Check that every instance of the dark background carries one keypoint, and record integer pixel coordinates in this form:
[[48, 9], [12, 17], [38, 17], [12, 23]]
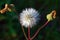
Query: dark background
[[10, 27]]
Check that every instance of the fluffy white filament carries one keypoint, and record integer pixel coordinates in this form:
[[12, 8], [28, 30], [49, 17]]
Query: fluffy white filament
[[29, 17]]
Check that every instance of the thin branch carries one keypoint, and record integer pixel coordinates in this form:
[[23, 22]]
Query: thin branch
[[24, 33], [28, 33], [39, 30], [22, 26]]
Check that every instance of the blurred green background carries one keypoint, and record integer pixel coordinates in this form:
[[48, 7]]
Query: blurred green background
[[10, 27]]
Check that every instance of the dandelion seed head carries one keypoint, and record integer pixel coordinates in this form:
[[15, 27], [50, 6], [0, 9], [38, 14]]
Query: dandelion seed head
[[29, 17]]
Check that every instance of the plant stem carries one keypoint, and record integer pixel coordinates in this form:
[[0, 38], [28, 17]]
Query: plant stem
[[24, 33], [22, 26], [28, 33], [39, 30]]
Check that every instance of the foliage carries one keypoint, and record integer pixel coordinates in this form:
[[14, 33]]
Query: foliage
[[10, 27]]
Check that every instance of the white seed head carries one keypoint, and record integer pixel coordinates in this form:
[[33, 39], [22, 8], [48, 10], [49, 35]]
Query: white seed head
[[29, 17]]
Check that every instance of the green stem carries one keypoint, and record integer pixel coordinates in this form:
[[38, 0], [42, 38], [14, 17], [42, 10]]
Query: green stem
[[24, 33]]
